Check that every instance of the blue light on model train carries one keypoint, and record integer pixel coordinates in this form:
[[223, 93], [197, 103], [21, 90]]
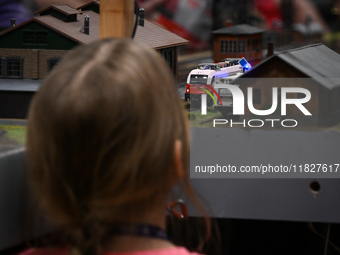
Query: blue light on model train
[[243, 62]]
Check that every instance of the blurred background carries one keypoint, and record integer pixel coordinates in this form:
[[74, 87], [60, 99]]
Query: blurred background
[[286, 23], [196, 19]]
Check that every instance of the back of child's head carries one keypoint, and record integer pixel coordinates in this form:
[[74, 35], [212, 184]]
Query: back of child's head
[[101, 135]]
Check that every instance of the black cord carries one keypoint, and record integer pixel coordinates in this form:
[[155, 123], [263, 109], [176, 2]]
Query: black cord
[[327, 239], [311, 227], [136, 20]]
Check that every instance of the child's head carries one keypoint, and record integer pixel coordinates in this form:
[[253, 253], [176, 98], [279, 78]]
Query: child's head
[[102, 132]]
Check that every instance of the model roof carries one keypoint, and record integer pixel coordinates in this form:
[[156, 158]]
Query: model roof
[[316, 61], [158, 37], [63, 8], [313, 28], [96, 2], [151, 34], [72, 29], [242, 29]]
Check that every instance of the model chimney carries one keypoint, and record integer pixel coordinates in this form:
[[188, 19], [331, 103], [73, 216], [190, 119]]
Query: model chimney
[[13, 22], [141, 17], [87, 24], [270, 49], [229, 23]]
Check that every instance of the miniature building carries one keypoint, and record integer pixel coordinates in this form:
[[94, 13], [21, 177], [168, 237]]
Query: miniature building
[[238, 41], [28, 51], [316, 62], [307, 33], [31, 49], [287, 33]]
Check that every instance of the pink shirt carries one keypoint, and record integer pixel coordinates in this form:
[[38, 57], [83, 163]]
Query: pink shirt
[[165, 251]]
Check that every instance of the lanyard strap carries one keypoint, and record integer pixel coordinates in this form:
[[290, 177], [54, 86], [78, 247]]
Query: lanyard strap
[[142, 230]]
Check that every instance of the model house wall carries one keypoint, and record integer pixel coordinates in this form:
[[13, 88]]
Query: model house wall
[[313, 67], [237, 42]]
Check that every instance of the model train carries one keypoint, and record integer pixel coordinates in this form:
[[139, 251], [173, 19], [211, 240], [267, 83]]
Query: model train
[[205, 75]]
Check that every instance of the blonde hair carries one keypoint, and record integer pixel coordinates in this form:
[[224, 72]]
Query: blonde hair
[[101, 136]]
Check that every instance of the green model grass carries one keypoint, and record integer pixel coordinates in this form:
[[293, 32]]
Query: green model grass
[[199, 120], [15, 133]]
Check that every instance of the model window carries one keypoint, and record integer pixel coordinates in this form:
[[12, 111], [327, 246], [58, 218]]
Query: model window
[[51, 63], [41, 37], [35, 37], [255, 44], [198, 79], [208, 67], [232, 46], [224, 46], [29, 37], [14, 67], [256, 96], [241, 46], [70, 18]]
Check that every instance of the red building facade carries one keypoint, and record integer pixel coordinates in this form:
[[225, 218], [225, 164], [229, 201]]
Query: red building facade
[[237, 42]]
